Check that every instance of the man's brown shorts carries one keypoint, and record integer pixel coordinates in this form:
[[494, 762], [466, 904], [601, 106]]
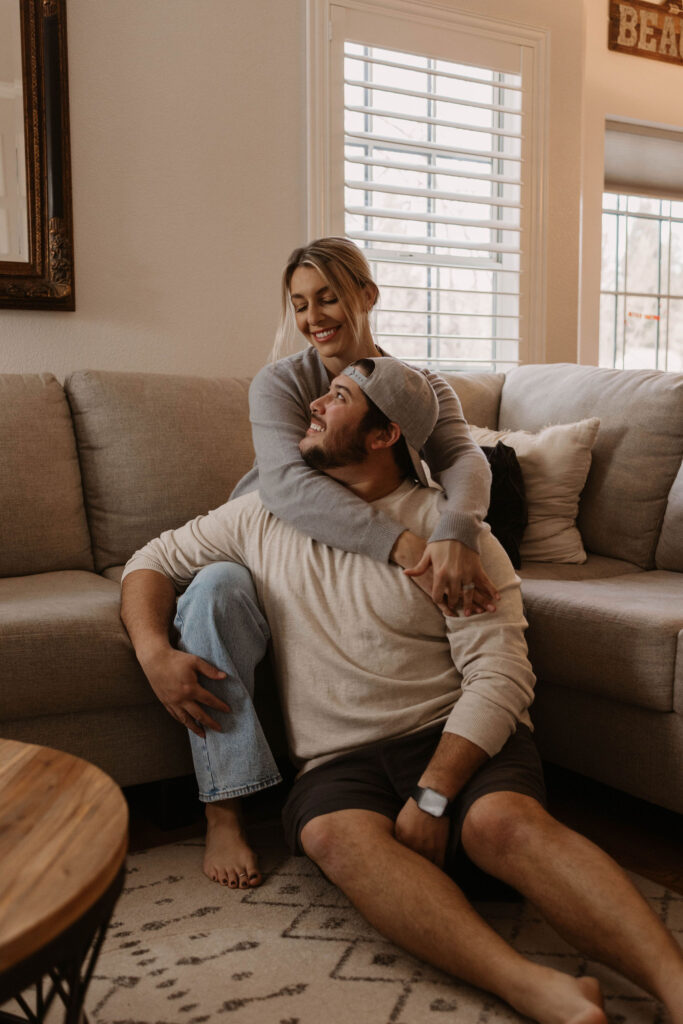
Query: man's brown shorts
[[382, 776]]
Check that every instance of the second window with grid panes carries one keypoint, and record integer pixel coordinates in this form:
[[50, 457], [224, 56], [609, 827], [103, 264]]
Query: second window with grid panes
[[641, 300]]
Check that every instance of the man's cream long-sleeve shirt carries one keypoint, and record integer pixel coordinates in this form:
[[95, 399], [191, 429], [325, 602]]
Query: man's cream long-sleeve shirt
[[361, 653]]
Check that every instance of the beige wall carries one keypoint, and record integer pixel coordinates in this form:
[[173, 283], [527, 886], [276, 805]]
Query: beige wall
[[616, 85], [188, 148], [188, 151]]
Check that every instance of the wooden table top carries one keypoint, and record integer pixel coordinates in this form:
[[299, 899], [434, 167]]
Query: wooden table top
[[63, 839]]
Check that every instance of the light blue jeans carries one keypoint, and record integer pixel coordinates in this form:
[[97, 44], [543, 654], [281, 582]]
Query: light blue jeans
[[219, 619]]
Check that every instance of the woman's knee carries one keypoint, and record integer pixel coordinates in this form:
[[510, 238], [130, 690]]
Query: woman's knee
[[225, 593], [222, 581]]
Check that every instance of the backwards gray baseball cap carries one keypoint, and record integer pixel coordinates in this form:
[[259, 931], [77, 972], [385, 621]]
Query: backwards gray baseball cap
[[406, 397]]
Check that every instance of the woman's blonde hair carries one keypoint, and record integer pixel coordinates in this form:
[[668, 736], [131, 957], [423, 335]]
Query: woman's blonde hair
[[344, 268]]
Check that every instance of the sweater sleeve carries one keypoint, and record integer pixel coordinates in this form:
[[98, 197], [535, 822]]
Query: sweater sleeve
[[215, 537], [460, 467], [490, 653], [309, 500]]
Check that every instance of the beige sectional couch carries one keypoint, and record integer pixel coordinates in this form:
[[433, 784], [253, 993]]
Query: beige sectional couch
[[92, 469]]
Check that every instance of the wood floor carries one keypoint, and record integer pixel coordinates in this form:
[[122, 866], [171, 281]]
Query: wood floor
[[640, 836]]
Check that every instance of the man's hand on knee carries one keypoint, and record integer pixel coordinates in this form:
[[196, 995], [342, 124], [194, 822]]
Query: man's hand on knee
[[173, 675], [421, 832]]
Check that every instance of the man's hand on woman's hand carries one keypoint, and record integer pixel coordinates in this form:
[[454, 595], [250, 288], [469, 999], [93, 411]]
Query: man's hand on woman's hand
[[173, 675]]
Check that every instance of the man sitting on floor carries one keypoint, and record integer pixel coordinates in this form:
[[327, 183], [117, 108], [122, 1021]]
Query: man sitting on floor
[[411, 729]]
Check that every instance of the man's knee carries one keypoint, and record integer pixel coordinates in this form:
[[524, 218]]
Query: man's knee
[[336, 841], [499, 825]]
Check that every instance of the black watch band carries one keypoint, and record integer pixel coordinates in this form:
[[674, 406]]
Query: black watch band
[[431, 801]]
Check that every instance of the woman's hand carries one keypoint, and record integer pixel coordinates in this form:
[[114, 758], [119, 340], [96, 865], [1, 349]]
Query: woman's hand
[[457, 574]]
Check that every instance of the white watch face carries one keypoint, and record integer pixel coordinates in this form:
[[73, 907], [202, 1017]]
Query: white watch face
[[432, 802]]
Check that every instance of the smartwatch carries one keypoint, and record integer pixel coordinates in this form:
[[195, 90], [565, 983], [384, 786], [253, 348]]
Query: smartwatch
[[431, 801]]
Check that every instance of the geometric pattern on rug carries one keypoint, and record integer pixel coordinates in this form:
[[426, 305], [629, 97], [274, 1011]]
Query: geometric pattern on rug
[[183, 950]]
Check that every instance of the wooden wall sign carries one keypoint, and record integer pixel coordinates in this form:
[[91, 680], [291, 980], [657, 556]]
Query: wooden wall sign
[[653, 30]]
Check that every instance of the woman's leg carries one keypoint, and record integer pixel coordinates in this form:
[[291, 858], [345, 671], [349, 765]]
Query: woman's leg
[[219, 619]]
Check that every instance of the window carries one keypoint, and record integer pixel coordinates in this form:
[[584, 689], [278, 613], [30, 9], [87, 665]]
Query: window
[[432, 184], [641, 299], [431, 163], [641, 289]]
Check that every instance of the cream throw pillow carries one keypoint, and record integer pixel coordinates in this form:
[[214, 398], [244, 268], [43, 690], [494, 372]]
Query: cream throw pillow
[[554, 464]]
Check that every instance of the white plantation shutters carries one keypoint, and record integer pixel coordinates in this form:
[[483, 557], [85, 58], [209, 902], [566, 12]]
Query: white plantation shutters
[[429, 174]]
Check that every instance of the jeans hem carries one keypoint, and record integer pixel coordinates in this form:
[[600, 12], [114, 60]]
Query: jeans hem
[[231, 794]]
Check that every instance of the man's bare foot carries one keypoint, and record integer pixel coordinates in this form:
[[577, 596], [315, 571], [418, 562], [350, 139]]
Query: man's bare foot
[[561, 999], [228, 859]]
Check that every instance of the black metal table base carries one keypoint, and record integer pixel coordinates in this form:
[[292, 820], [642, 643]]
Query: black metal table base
[[63, 968]]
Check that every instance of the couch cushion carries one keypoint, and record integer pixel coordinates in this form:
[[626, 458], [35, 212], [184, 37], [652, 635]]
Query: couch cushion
[[635, 457], [65, 648], [554, 464], [615, 637], [669, 553], [479, 395], [596, 567], [156, 450], [42, 519]]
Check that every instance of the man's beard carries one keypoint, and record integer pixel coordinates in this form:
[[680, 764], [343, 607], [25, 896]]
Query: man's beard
[[346, 451]]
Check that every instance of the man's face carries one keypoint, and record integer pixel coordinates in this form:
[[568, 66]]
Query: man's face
[[336, 436]]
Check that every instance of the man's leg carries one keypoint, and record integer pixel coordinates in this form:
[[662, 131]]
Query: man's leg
[[219, 619], [582, 892], [413, 903]]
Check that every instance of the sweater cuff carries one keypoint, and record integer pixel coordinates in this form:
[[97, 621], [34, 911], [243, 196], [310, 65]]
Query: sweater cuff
[[481, 722], [139, 561], [380, 539], [462, 526]]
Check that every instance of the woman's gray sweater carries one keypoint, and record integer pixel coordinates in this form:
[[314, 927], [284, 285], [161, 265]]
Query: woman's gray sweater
[[279, 403]]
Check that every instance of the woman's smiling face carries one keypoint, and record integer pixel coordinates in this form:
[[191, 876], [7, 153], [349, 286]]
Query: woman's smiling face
[[319, 315]]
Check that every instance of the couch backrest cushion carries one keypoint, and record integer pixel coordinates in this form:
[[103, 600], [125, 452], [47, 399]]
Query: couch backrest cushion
[[42, 519], [479, 395], [636, 454], [669, 553], [155, 451]]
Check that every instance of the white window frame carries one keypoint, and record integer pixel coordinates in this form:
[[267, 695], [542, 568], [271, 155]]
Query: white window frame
[[320, 120]]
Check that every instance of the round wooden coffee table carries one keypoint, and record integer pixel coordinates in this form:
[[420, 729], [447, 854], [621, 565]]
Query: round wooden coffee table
[[63, 843]]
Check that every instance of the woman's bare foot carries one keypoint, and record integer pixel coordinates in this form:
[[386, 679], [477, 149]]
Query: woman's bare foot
[[228, 858]]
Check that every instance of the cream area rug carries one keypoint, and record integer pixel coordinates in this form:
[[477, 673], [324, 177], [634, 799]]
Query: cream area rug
[[182, 950]]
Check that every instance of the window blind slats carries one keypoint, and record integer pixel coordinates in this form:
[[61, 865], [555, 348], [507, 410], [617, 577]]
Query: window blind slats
[[430, 218], [445, 337], [434, 147], [367, 161], [436, 121], [438, 310], [432, 97], [456, 197], [494, 83], [437, 242], [407, 257]]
